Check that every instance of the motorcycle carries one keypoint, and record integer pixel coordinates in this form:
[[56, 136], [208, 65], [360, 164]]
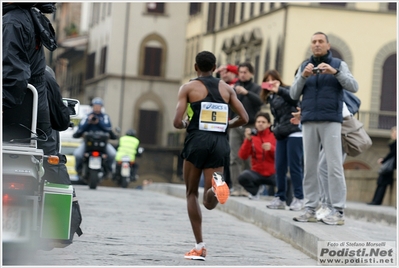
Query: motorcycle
[[94, 161], [32, 211], [126, 169]]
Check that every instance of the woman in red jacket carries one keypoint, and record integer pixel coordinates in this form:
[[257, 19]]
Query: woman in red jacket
[[260, 145]]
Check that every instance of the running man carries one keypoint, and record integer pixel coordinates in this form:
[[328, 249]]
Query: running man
[[206, 147]]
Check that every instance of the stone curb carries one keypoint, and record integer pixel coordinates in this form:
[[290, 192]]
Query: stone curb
[[279, 223]]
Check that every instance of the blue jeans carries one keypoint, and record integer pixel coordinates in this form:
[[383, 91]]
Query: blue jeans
[[289, 154]]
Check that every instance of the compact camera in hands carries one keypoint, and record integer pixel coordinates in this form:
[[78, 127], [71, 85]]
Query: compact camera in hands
[[254, 131], [316, 70], [94, 118]]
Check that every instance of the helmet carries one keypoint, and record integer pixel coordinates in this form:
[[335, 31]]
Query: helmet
[[97, 100], [131, 132]]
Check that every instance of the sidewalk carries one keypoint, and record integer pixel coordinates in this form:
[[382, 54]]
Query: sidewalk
[[362, 222]]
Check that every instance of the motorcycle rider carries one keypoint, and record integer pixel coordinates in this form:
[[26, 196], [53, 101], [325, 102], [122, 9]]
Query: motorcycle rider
[[25, 31], [94, 121], [128, 146]]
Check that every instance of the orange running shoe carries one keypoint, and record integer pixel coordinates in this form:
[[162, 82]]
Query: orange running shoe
[[220, 188], [195, 254]]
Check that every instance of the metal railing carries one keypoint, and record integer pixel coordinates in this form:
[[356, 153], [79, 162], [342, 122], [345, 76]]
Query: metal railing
[[377, 121]]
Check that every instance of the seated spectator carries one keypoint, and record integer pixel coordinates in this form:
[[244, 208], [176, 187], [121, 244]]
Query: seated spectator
[[259, 144]]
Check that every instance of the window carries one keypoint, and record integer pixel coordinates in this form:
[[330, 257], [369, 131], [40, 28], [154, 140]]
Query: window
[[232, 13], [271, 6], [211, 17], [261, 7], [256, 67], [152, 56], [195, 8], [267, 57], [342, 4], [153, 61], [251, 10], [148, 127], [103, 60], [242, 13], [158, 8], [104, 10], [109, 8], [388, 93], [95, 13], [90, 65], [392, 6], [221, 23]]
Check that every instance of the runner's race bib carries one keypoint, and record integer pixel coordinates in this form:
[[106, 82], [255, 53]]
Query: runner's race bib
[[213, 116]]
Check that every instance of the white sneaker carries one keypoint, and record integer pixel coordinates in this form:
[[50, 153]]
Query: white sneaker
[[323, 211], [253, 197], [296, 204], [276, 204]]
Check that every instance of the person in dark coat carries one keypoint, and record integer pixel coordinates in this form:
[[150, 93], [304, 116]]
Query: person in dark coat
[[385, 179], [289, 147], [59, 118], [26, 30]]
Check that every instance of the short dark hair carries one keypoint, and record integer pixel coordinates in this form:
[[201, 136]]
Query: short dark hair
[[264, 114], [205, 61], [322, 34], [248, 65]]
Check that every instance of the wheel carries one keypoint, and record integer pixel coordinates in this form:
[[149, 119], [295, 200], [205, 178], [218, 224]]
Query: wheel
[[93, 179], [124, 182]]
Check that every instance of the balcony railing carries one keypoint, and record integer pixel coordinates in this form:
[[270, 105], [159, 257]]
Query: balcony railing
[[378, 122]]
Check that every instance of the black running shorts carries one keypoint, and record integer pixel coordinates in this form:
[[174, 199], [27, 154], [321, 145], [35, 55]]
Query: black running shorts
[[206, 149]]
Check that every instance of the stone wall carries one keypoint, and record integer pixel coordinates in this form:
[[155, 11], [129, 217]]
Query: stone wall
[[165, 165], [361, 185]]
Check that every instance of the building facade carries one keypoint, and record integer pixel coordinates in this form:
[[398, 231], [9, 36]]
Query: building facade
[[277, 36], [131, 55]]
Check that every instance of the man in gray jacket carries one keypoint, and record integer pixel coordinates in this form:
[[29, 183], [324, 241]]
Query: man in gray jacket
[[321, 81]]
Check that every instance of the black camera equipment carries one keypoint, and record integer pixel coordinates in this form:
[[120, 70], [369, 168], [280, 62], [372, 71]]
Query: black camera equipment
[[317, 70]]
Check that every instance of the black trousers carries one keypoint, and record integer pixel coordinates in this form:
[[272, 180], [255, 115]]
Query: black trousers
[[251, 181], [382, 183]]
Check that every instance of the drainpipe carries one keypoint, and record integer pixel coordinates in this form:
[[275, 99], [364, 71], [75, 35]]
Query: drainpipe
[[121, 101]]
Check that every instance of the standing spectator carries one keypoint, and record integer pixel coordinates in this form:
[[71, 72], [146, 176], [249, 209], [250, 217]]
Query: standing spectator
[[326, 206], [385, 179], [228, 73], [206, 146], [259, 144], [320, 81], [248, 93], [289, 148]]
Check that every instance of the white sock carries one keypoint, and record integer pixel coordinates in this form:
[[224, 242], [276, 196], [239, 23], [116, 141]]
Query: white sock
[[199, 246]]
